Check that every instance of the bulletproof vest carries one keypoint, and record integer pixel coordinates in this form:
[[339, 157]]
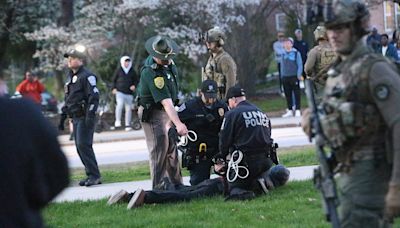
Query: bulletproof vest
[[350, 120], [212, 71], [325, 58]]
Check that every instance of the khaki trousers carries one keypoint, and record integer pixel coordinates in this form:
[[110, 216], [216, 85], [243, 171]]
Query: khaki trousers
[[162, 151]]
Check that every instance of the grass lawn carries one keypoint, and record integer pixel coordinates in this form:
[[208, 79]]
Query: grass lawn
[[275, 103], [293, 156], [294, 205]]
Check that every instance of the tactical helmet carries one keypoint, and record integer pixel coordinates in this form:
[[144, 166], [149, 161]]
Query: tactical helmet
[[215, 35], [345, 12], [320, 33]]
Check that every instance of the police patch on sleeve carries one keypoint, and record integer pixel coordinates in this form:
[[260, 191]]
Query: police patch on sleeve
[[159, 82], [92, 80], [381, 92]]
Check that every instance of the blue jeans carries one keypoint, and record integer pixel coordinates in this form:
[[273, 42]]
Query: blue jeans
[[84, 145]]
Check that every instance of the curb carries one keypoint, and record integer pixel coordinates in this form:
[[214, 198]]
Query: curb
[[65, 142]]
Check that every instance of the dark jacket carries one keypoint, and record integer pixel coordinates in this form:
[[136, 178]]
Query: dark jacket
[[206, 122], [302, 47], [81, 93], [245, 128], [122, 82], [391, 52], [33, 168]]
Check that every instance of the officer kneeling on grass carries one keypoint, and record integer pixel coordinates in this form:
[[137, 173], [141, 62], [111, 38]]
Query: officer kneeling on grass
[[245, 136], [203, 115]]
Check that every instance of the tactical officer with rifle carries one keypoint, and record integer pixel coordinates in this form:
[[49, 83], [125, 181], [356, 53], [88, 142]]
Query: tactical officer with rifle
[[158, 93], [359, 119], [81, 102], [203, 115], [220, 66]]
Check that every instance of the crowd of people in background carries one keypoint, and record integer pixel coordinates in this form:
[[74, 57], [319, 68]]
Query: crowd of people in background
[[291, 56]]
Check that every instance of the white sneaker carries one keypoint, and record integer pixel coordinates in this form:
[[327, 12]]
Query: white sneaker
[[128, 129], [117, 123], [289, 113], [297, 113]]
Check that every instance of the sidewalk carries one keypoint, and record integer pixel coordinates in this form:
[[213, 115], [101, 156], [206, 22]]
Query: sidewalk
[[121, 135], [105, 190]]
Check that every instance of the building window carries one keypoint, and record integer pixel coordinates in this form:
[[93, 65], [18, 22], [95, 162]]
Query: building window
[[397, 15], [280, 20], [389, 18]]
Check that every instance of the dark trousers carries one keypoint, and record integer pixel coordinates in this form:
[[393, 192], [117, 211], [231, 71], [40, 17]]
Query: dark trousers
[[280, 78], [200, 171], [291, 86], [206, 188], [84, 145], [257, 165]]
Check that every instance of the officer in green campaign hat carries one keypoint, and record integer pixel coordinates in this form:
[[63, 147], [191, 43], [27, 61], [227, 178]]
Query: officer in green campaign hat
[[158, 93]]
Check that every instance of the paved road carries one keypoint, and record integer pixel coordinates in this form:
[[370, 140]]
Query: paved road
[[115, 151]]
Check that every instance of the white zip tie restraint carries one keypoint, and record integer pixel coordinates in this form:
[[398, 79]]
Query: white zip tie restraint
[[185, 139], [235, 167]]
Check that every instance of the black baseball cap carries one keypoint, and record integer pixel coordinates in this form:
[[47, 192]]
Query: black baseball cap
[[75, 54], [235, 91], [209, 88]]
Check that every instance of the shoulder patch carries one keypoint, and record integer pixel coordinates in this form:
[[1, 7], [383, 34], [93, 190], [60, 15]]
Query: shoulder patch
[[182, 107], [159, 82], [92, 80], [381, 92]]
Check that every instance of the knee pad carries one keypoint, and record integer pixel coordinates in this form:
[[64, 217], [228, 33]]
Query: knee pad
[[279, 175]]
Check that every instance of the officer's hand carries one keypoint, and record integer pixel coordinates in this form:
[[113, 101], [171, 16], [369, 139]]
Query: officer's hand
[[181, 129], [63, 117], [306, 121], [90, 120], [114, 91], [392, 202]]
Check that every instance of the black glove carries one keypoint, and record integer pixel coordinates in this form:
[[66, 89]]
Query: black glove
[[63, 117], [90, 120]]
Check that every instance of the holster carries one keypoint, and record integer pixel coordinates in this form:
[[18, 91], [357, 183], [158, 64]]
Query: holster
[[77, 110], [273, 153], [147, 111]]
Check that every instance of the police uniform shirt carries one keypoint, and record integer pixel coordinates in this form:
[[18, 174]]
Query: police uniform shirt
[[206, 122], [81, 86], [245, 128], [157, 83]]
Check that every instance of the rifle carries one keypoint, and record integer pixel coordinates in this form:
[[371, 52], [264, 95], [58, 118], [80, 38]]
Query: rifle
[[323, 175]]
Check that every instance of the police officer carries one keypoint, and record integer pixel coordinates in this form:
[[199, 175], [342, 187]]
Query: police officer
[[203, 115], [220, 66], [319, 58], [361, 121], [81, 101], [158, 90], [246, 136]]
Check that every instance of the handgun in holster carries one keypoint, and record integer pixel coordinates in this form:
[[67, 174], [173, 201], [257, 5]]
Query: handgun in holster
[[274, 154], [147, 110]]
